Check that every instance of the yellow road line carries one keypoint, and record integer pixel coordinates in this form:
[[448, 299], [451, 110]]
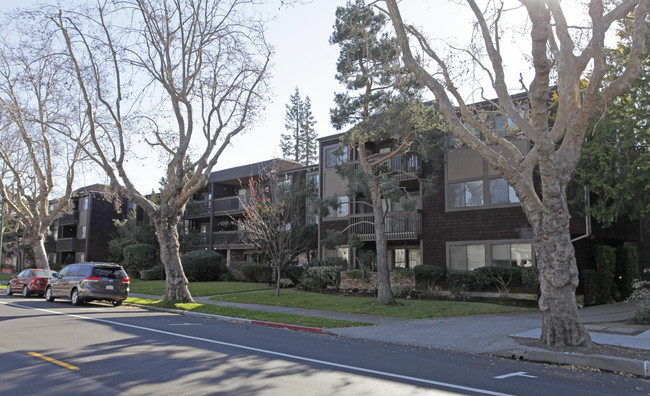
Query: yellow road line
[[49, 359]]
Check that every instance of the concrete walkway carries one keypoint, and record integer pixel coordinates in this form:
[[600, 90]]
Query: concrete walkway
[[488, 334]]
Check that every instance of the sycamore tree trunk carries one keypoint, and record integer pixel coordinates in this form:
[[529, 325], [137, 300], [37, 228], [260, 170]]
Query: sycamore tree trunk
[[558, 276], [36, 242], [176, 284]]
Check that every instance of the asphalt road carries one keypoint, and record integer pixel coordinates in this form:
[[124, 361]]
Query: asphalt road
[[56, 348]]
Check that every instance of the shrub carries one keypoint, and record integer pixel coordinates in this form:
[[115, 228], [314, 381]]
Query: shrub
[[500, 277], [401, 273], [260, 273], [284, 282], [626, 269], [354, 274], [323, 276], [641, 294], [203, 266], [399, 291], [294, 272], [530, 279], [590, 286], [429, 275], [153, 273], [460, 283], [606, 264], [139, 257]]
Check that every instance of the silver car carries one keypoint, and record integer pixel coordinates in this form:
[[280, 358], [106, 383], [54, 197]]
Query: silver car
[[89, 281]]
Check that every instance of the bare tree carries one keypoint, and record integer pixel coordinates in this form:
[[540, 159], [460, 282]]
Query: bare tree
[[275, 217], [37, 159], [184, 77], [560, 64]]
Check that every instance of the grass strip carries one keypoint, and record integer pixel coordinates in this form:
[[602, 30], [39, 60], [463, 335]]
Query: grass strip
[[413, 309], [248, 313], [197, 289]]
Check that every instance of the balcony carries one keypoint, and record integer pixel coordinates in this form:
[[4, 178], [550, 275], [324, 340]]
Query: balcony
[[69, 218], [227, 205], [229, 240], [66, 245], [401, 167], [196, 209], [398, 226]]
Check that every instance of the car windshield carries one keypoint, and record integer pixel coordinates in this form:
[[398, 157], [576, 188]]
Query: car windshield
[[105, 272], [43, 273]]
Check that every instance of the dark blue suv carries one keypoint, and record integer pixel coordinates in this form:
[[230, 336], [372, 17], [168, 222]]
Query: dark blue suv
[[89, 281]]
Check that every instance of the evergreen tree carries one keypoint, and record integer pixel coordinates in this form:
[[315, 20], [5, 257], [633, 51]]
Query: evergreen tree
[[300, 143], [309, 154], [382, 104], [615, 161]]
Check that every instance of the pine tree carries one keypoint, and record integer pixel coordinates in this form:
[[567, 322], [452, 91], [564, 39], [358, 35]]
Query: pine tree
[[308, 142], [382, 104], [290, 143], [300, 143]]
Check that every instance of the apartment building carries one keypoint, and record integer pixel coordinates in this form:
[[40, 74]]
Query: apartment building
[[211, 216], [83, 234], [472, 217]]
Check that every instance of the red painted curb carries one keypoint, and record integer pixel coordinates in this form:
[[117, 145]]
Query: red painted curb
[[288, 326]]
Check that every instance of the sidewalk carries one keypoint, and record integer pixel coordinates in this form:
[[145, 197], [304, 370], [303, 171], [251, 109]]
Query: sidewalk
[[486, 334]]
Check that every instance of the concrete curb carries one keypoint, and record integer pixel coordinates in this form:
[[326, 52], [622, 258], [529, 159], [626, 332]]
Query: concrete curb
[[231, 319], [640, 368]]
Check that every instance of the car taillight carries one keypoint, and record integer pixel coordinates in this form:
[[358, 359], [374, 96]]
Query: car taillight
[[92, 279], [125, 280]]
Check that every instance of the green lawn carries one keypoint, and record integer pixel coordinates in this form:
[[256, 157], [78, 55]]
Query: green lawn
[[248, 314], [415, 309], [6, 277], [197, 289]]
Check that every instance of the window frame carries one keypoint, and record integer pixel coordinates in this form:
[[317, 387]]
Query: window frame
[[487, 244]]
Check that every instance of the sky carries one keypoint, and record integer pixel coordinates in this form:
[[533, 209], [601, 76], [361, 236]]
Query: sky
[[303, 59]]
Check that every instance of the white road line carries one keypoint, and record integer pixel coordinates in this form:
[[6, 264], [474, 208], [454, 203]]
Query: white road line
[[280, 354]]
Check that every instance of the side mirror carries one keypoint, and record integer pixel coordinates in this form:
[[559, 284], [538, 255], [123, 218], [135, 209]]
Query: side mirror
[[55, 275]]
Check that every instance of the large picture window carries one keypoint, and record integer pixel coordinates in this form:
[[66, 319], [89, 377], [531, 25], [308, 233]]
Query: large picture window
[[470, 183], [467, 256]]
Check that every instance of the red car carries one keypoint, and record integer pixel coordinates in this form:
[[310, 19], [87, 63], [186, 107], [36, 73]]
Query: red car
[[30, 281]]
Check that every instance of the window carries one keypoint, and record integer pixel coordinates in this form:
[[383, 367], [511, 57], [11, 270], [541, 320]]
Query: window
[[405, 258], [512, 255], [467, 256], [471, 183], [82, 232], [501, 192], [466, 194], [340, 254], [83, 203], [343, 209], [284, 186], [335, 156], [400, 258]]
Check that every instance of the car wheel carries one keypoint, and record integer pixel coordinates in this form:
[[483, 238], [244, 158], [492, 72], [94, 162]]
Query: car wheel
[[8, 291], [49, 296], [116, 303], [74, 297], [25, 292]]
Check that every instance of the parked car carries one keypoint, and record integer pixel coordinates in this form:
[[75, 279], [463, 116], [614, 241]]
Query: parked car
[[30, 281], [89, 281]]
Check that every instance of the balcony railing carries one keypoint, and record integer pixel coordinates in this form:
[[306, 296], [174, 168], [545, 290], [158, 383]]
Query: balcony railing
[[402, 167], [66, 244], [69, 218], [197, 209], [228, 204], [398, 226], [225, 239]]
